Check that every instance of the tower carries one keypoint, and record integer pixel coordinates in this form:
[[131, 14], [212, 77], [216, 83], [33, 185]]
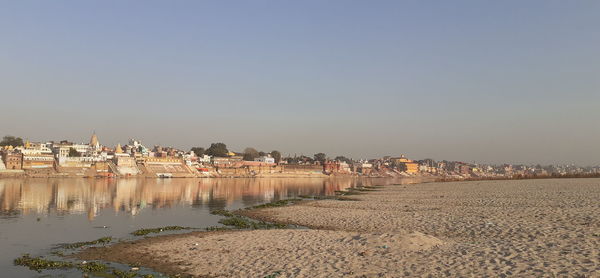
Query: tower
[[94, 146], [94, 142], [118, 149]]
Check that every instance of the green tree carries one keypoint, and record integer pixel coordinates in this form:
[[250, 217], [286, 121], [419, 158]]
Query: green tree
[[74, 153], [321, 157], [250, 154], [342, 158], [276, 155], [198, 151], [9, 140], [217, 149]]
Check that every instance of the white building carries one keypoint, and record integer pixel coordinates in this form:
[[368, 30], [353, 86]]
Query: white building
[[137, 145], [265, 159], [204, 159], [31, 148]]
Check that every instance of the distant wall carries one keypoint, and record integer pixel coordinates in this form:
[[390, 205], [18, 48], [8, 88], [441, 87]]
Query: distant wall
[[292, 168], [38, 162], [74, 162]]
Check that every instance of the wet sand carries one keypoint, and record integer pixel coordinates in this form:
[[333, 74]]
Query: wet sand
[[524, 228]]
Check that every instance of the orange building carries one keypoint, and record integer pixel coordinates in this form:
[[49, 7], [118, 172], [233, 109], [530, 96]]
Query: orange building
[[409, 165]]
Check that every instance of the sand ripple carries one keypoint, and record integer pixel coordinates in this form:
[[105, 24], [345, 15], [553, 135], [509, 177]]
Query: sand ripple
[[529, 228]]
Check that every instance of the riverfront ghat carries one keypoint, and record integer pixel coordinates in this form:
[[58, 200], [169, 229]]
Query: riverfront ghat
[[63, 159], [517, 228]]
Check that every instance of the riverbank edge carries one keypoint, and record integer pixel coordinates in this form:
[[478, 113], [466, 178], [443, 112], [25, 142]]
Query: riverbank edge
[[437, 178], [125, 252]]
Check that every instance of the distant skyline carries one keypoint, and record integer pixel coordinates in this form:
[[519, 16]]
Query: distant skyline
[[483, 81]]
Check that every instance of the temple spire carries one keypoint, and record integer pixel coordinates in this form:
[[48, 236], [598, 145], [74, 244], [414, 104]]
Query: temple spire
[[118, 149], [94, 141]]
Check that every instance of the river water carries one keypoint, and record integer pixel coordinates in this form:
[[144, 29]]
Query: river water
[[38, 214]]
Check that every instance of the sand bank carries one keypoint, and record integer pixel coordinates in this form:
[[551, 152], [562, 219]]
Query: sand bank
[[540, 228]]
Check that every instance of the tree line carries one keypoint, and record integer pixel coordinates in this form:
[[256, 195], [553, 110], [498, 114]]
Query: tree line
[[13, 141], [220, 150]]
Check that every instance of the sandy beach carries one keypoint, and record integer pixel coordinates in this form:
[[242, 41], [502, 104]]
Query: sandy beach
[[524, 228]]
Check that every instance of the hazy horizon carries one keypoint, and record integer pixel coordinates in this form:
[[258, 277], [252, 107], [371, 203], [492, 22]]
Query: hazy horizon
[[486, 82]]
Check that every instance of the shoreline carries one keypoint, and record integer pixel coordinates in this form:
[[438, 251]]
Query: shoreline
[[434, 178], [396, 230]]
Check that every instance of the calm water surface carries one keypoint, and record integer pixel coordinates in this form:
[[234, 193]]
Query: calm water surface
[[38, 214]]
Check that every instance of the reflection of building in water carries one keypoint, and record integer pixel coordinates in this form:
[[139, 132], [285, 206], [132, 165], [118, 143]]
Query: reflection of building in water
[[90, 196]]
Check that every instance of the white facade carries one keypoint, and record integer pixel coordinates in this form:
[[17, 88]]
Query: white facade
[[137, 145], [265, 159], [83, 160], [35, 148], [61, 150], [204, 159]]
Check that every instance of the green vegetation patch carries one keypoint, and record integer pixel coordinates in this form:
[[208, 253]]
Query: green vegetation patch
[[239, 222], [217, 228], [92, 267], [102, 240], [143, 232], [124, 274], [344, 193], [38, 264], [325, 197], [279, 203], [98, 269], [222, 212]]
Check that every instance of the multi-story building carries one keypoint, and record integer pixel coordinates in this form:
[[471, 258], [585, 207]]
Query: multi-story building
[[225, 161], [409, 166], [265, 159], [38, 161], [32, 148], [13, 160]]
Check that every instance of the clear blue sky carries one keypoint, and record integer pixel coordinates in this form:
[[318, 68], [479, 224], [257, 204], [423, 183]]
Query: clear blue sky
[[485, 81]]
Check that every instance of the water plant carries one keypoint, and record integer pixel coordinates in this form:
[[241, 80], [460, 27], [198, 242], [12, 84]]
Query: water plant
[[102, 240], [349, 192], [124, 274], [38, 264], [222, 212], [217, 228], [58, 253], [279, 203], [325, 197], [92, 267], [99, 269], [143, 232], [239, 222]]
